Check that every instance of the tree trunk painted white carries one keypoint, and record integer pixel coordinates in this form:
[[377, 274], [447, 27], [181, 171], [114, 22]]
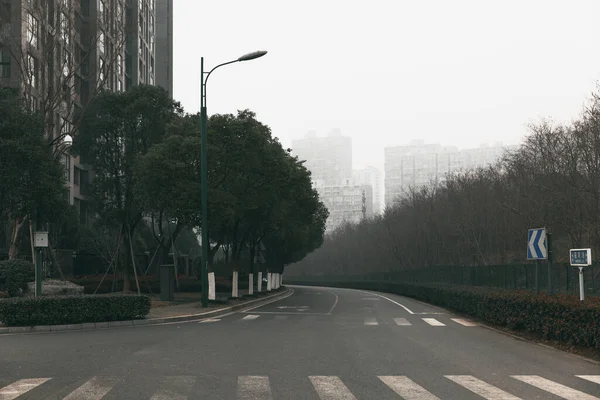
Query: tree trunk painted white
[[234, 285], [250, 283], [269, 281], [281, 280], [259, 288], [276, 281], [211, 286]]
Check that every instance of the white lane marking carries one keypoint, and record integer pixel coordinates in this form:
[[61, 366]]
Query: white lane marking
[[250, 317], [371, 321], [388, 299], [94, 389], [463, 322], [481, 388], [267, 303], [433, 322], [209, 320], [591, 378], [254, 388], [331, 388], [20, 387], [407, 389], [555, 388], [334, 303], [402, 321], [177, 388]]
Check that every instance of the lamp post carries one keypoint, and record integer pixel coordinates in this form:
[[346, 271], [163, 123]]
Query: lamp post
[[204, 166]]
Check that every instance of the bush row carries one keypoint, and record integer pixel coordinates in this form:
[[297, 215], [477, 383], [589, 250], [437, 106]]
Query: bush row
[[14, 275], [62, 310], [561, 318]]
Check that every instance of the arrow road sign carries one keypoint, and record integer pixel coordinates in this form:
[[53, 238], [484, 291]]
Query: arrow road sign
[[537, 247]]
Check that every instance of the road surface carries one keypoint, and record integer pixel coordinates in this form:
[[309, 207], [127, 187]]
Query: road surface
[[318, 343]]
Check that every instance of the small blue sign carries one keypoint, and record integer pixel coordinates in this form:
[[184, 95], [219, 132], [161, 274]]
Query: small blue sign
[[537, 248], [581, 257]]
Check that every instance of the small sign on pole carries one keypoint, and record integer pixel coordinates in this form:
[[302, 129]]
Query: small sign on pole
[[40, 239], [580, 258]]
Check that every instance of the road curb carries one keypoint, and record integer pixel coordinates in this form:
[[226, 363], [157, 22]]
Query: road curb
[[144, 322]]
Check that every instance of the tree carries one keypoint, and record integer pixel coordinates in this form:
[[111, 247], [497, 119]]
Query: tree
[[117, 130], [32, 180]]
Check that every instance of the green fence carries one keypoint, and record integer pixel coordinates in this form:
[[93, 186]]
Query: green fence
[[564, 278]]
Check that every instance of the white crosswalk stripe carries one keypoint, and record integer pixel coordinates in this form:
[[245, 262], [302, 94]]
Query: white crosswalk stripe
[[555, 388], [254, 388], [94, 389], [325, 387], [371, 321], [463, 322], [20, 387], [591, 378], [481, 388], [407, 389], [178, 388], [331, 388], [433, 322], [402, 322]]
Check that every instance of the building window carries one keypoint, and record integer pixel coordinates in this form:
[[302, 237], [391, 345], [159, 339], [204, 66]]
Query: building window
[[66, 161], [76, 176], [32, 70], [119, 65], [66, 61], [31, 102], [101, 71], [141, 50], [152, 44], [119, 15], [64, 28], [4, 64], [102, 11], [32, 30], [101, 42]]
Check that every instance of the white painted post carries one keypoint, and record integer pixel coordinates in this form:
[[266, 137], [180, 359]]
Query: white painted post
[[211, 286], [277, 280], [269, 281], [250, 283], [259, 288], [581, 290], [234, 285]]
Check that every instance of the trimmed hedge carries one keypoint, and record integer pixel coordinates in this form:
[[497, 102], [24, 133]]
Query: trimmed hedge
[[561, 318], [62, 310], [14, 275]]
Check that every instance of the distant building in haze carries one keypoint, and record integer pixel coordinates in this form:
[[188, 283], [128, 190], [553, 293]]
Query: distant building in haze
[[371, 176]]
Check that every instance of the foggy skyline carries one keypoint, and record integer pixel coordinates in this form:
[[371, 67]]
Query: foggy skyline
[[457, 73]]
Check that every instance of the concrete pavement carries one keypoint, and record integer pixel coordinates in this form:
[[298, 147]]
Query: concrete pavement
[[318, 343]]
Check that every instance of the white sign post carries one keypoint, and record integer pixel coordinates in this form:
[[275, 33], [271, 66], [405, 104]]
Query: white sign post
[[581, 258], [40, 241]]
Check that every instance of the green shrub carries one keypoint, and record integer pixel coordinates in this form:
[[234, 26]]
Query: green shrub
[[14, 275], [61, 310]]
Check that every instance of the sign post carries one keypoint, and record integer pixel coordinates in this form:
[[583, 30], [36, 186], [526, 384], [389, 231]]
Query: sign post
[[580, 258], [40, 242], [537, 249]]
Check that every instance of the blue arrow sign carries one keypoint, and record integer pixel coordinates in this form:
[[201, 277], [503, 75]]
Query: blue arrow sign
[[537, 248]]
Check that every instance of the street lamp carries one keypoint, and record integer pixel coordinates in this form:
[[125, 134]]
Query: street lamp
[[204, 166]]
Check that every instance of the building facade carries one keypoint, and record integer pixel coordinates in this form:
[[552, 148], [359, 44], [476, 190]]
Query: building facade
[[164, 44], [59, 52], [346, 202], [371, 176], [328, 158], [419, 164]]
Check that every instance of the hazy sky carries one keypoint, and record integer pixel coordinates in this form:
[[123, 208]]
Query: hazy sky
[[459, 72]]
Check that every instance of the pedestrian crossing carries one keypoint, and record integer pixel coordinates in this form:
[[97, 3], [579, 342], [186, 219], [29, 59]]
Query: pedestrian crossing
[[367, 321], [259, 387]]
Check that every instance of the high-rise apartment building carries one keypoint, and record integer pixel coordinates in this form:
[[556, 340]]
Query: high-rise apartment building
[[328, 158], [59, 52], [419, 164], [346, 202], [370, 176], [164, 44]]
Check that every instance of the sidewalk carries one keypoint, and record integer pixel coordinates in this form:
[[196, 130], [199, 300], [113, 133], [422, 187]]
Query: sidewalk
[[183, 308]]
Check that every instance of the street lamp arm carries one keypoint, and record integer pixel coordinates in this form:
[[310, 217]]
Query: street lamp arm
[[220, 65]]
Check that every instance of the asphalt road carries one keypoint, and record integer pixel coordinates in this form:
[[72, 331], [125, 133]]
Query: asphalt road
[[318, 343]]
